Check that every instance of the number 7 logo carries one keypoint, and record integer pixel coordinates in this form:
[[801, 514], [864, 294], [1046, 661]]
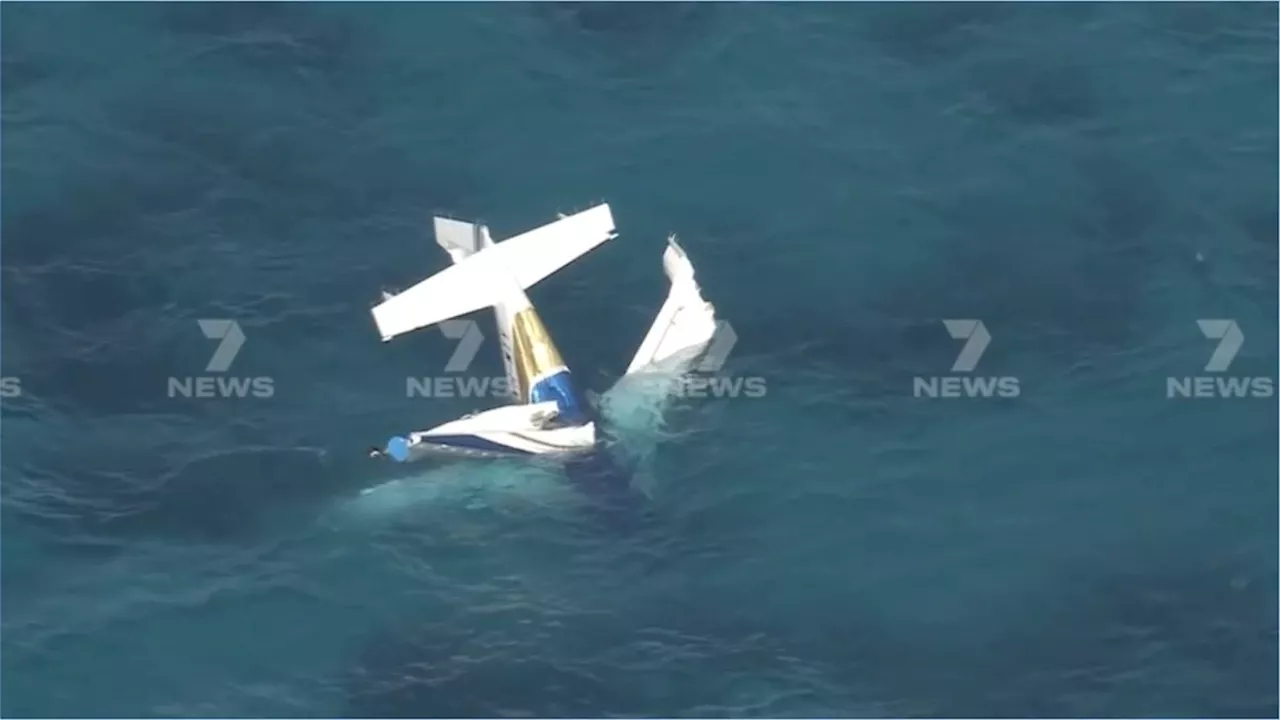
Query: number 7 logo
[[469, 338]]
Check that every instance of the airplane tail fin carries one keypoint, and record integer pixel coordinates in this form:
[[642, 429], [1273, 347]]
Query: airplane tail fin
[[481, 275]]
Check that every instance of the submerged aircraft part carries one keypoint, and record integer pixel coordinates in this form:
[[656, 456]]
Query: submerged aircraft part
[[547, 416]]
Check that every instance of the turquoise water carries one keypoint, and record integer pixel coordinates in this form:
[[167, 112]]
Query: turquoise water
[[1088, 180]]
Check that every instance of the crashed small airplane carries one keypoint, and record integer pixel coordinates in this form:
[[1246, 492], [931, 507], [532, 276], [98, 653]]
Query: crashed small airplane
[[548, 416]]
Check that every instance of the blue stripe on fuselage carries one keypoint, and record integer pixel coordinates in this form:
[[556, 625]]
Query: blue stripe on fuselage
[[472, 442], [398, 448]]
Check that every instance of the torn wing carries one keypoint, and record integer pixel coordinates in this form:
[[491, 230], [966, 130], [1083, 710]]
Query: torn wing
[[685, 324]]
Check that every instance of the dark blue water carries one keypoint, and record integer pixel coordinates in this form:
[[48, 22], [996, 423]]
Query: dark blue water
[[1087, 180]]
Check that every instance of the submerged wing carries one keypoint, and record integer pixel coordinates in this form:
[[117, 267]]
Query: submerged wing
[[685, 323]]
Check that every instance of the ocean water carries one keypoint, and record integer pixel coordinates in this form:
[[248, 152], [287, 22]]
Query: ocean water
[[1089, 180]]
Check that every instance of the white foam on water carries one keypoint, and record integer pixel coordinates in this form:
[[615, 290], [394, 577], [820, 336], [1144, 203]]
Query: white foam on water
[[635, 408], [505, 485]]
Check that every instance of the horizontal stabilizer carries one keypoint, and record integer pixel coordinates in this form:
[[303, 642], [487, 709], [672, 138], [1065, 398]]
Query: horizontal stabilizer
[[483, 278], [461, 239]]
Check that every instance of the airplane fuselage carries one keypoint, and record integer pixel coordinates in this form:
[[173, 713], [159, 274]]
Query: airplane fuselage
[[549, 416]]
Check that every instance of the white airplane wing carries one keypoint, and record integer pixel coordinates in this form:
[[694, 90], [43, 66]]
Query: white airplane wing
[[482, 278], [685, 324]]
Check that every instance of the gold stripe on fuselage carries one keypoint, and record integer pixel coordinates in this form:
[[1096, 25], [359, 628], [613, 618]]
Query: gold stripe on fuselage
[[532, 350]]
